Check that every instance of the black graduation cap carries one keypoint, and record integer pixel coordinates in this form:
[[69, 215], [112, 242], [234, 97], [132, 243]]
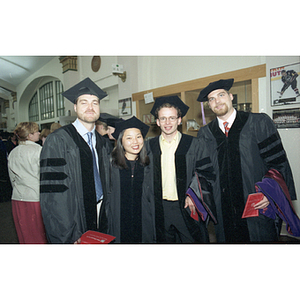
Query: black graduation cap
[[173, 100], [109, 119], [112, 122], [104, 116], [224, 84], [130, 123], [86, 86]]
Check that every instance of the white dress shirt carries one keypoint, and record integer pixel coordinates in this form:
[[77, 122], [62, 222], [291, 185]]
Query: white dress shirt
[[230, 121]]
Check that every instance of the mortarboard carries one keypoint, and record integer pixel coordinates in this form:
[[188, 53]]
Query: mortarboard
[[173, 100], [104, 116], [86, 86], [225, 84], [110, 120], [130, 123]]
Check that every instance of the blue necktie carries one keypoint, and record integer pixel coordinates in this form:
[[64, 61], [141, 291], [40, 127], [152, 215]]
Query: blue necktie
[[98, 185]]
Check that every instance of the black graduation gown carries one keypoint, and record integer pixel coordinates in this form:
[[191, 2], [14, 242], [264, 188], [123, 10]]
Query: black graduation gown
[[130, 205], [252, 148], [67, 189], [185, 164], [5, 184]]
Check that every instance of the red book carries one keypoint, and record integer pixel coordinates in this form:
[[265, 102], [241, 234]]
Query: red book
[[95, 237], [249, 210]]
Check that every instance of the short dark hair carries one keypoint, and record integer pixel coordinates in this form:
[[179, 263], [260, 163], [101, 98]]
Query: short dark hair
[[168, 105]]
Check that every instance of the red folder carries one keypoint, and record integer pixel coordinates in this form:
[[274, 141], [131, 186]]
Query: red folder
[[95, 237], [249, 210]]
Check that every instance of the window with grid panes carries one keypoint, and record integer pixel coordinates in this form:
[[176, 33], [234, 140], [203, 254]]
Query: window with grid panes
[[46, 101], [60, 105], [33, 109]]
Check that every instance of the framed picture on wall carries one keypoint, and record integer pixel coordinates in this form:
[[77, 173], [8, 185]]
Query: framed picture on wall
[[284, 85], [125, 107], [287, 118]]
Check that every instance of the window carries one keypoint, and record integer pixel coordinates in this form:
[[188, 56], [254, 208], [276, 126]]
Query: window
[[46, 101], [34, 109], [60, 105]]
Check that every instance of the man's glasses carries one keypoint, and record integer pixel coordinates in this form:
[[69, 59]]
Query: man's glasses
[[164, 119]]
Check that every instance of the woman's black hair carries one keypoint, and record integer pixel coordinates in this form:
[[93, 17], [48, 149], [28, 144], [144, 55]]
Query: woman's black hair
[[118, 155]]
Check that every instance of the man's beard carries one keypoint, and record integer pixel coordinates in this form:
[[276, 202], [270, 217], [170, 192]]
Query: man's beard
[[221, 112], [88, 118]]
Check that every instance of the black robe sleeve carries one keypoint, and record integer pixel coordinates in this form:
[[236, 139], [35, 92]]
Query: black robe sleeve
[[271, 149], [62, 195]]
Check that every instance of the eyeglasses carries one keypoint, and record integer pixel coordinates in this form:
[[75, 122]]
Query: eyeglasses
[[164, 119]]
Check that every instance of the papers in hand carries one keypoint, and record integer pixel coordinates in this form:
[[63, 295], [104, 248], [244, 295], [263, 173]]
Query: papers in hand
[[95, 237], [249, 210]]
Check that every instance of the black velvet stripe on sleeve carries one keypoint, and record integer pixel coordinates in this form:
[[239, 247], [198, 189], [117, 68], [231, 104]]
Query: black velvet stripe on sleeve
[[203, 161], [268, 141], [271, 150], [53, 162], [278, 149], [205, 167], [278, 160], [53, 176], [53, 188]]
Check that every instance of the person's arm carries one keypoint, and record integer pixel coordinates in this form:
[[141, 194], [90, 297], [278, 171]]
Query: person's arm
[[272, 151], [57, 193], [200, 186]]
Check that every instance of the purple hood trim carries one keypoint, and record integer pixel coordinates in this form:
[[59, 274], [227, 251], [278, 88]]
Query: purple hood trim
[[279, 204]]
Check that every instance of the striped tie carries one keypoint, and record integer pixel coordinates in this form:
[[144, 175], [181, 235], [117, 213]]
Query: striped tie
[[226, 128]]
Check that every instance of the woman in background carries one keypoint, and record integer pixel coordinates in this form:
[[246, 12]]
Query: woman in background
[[130, 206], [44, 133], [54, 126], [24, 173]]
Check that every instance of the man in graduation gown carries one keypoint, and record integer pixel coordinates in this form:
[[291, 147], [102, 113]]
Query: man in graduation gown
[[173, 161], [106, 125], [241, 154], [70, 198]]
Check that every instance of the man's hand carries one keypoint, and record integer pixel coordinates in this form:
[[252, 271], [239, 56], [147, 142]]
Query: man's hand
[[189, 203], [262, 204], [78, 241]]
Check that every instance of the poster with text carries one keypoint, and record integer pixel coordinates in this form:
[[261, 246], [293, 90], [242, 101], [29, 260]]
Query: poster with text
[[284, 85]]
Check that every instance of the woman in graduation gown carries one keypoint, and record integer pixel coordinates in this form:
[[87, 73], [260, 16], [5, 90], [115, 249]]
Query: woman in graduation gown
[[130, 207]]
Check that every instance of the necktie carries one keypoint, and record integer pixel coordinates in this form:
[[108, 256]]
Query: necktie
[[226, 128], [98, 185]]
